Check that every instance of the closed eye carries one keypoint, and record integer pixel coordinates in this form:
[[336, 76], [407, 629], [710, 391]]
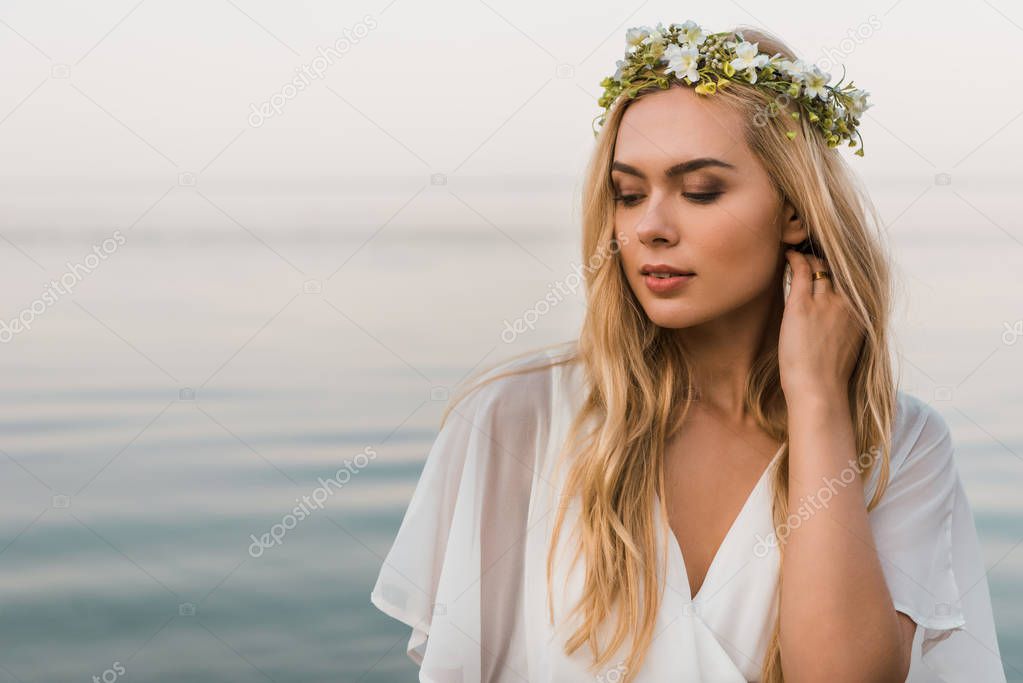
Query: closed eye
[[627, 199], [696, 197]]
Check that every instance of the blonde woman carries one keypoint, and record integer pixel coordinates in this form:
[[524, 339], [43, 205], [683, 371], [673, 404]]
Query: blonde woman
[[719, 480]]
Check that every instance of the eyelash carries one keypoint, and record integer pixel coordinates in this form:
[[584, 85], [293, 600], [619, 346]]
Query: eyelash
[[698, 197]]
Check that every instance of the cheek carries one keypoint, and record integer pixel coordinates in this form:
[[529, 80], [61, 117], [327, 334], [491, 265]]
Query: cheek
[[625, 225], [629, 260], [628, 245], [627, 264], [737, 255], [730, 244], [743, 230]]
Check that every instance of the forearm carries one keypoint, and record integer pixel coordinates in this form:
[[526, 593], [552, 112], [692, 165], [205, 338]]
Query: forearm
[[837, 618]]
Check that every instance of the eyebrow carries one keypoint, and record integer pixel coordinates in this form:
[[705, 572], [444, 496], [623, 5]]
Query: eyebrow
[[677, 169]]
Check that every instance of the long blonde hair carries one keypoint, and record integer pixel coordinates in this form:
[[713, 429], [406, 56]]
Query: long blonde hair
[[640, 380]]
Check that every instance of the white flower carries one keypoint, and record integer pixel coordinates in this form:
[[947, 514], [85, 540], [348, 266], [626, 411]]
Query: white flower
[[795, 69], [858, 102], [683, 62], [656, 36], [634, 36], [815, 80], [690, 32], [747, 56], [621, 65]]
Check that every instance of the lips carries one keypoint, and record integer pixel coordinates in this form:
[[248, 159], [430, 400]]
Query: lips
[[664, 270], [664, 283]]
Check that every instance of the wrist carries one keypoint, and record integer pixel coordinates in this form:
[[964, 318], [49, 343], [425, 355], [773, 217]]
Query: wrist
[[819, 398]]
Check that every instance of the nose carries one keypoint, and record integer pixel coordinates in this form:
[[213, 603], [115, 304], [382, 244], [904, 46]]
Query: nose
[[658, 225]]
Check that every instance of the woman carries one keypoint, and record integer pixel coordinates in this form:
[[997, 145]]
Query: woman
[[719, 480]]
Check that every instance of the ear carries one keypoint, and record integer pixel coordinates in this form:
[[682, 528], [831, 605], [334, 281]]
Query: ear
[[792, 229]]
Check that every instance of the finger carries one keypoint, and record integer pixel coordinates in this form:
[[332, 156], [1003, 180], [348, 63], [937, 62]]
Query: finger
[[800, 275], [821, 285]]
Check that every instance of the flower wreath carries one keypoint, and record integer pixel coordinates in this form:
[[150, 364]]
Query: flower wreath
[[683, 53]]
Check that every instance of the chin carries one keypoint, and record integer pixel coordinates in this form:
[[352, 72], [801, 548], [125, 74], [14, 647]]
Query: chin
[[674, 314]]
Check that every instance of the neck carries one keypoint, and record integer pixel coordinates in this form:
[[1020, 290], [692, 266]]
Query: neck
[[722, 352]]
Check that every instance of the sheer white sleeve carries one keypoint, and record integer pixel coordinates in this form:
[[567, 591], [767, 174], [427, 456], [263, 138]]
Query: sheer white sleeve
[[454, 572], [927, 542]]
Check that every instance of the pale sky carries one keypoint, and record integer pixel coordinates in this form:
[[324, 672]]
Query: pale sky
[[107, 105]]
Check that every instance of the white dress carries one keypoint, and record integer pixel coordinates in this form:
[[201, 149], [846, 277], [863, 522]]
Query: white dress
[[467, 570]]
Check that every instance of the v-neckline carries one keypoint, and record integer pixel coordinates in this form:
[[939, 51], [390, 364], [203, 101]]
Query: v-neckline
[[676, 548]]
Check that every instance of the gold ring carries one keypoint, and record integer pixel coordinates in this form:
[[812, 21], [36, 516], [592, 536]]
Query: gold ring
[[821, 275]]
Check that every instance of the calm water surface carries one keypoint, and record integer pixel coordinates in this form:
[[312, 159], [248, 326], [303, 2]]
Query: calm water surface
[[186, 395]]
